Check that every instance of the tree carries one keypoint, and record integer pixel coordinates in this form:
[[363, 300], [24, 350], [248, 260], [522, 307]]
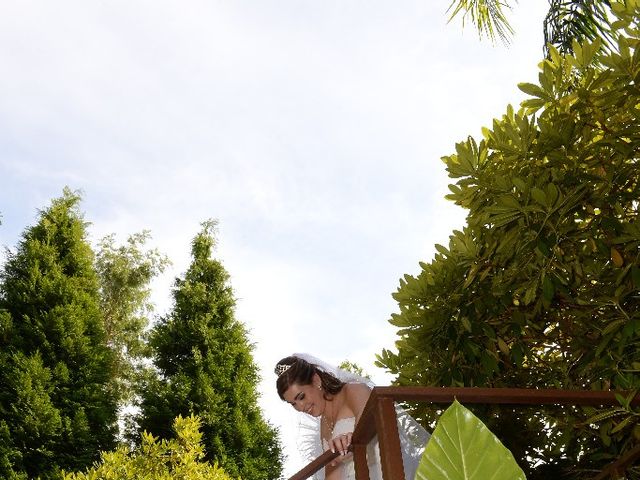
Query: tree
[[569, 20], [55, 410], [566, 21], [125, 273], [353, 367], [205, 365], [541, 288], [181, 457]]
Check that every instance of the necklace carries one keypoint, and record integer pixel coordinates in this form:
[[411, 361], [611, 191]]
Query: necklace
[[330, 423]]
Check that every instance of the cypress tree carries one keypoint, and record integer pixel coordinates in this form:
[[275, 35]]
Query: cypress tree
[[55, 408], [205, 365]]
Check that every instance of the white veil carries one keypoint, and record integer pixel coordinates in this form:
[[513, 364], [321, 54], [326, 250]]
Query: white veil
[[413, 437]]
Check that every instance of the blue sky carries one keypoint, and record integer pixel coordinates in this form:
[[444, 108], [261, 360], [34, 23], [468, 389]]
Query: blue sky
[[312, 130]]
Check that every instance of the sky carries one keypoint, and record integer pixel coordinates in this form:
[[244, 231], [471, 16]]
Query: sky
[[311, 130]]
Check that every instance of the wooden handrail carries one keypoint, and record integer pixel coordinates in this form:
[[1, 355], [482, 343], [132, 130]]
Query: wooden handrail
[[503, 396], [377, 416], [316, 465]]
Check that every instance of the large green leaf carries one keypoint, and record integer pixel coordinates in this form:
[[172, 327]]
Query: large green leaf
[[463, 448]]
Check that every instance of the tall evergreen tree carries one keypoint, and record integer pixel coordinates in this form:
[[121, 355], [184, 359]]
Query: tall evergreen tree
[[206, 368], [55, 409]]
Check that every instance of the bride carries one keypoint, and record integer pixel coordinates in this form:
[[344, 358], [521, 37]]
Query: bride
[[336, 398]]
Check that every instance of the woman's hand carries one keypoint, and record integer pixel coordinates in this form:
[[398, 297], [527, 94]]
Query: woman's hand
[[341, 443]]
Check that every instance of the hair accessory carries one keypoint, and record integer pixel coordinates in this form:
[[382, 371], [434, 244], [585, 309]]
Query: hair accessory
[[281, 368]]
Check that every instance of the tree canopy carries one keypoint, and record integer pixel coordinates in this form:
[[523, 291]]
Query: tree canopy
[[73, 351], [542, 287], [205, 365], [55, 366]]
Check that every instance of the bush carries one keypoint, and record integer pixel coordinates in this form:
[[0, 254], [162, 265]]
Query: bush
[[156, 459]]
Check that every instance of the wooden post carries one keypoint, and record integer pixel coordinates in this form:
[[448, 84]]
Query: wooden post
[[360, 461], [389, 440]]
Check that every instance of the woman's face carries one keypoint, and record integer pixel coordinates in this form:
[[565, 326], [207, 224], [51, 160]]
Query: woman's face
[[306, 398]]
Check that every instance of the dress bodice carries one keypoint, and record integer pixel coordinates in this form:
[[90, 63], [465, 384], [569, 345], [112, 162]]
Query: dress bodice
[[342, 426], [347, 425]]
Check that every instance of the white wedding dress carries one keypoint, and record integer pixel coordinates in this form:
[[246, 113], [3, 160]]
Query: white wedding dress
[[347, 425], [413, 437]]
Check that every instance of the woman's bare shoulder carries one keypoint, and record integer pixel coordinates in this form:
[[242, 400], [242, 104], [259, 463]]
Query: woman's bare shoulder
[[357, 388], [356, 396], [357, 393]]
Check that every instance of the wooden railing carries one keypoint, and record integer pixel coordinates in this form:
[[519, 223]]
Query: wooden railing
[[379, 418]]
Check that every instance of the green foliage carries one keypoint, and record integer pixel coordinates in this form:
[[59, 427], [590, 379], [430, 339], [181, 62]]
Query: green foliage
[[55, 366], [181, 457], [35, 419], [353, 368], [577, 20], [541, 288], [463, 448], [566, 21], [206, 368], [125, 273], [487, 16]]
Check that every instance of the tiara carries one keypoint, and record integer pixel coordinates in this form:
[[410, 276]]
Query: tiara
[[281, 368]]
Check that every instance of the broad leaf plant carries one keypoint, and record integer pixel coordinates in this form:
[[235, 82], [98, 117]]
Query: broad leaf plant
[[541, 288]]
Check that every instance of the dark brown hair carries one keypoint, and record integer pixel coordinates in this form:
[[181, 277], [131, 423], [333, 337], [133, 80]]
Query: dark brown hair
[[301, 372]]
